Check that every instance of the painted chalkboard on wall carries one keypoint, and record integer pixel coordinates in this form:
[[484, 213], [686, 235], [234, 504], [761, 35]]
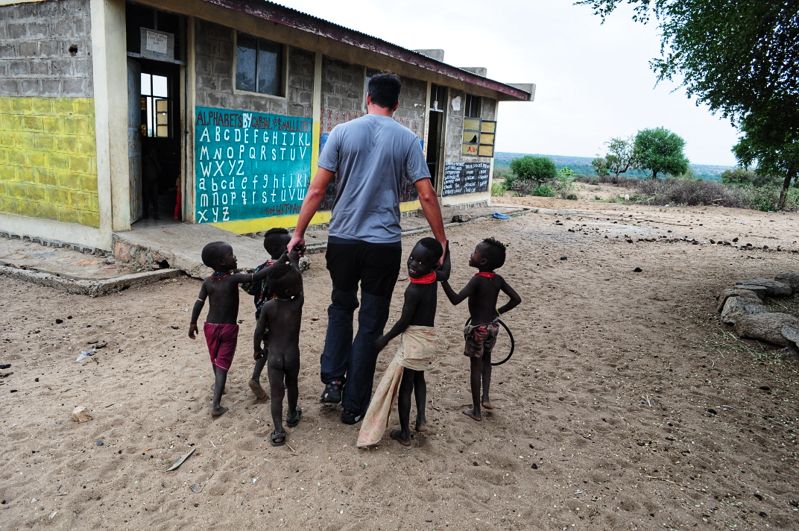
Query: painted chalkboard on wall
[[465, 178]]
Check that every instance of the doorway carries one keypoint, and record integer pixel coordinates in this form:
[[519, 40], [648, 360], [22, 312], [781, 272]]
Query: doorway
[[435, 132], [159, 119], [155, 69]]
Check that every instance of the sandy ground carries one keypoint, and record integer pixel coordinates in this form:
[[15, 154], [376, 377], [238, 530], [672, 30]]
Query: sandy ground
[[626, 405]]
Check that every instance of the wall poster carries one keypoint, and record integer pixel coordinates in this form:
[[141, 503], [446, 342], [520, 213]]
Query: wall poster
[[249, 164]]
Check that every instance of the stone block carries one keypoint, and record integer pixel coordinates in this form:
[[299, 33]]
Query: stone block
[[773, 288], [735, 307], [792, 279], [765, 327]]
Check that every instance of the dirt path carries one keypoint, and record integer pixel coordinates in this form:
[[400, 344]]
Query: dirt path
[[626, 405]]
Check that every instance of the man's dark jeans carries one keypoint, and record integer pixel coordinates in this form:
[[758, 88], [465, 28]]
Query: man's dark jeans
[[376, 267]]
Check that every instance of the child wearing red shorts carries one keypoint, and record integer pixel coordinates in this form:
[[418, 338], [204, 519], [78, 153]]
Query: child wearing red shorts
[[221, 328]]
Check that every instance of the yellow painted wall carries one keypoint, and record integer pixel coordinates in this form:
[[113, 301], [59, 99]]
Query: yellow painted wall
[[48, 159]]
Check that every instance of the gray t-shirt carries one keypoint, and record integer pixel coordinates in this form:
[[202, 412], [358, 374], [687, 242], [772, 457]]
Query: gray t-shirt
[[370, 156]]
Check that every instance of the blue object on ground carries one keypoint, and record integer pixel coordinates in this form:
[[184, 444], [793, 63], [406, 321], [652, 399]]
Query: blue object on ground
[[500, 215]]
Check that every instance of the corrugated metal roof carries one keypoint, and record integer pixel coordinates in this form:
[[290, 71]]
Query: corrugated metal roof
[[286, 16]]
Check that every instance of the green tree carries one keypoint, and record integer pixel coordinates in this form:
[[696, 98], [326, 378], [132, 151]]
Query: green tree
[[621, 155], [741, 59], [774, 151], [530, 168], [660, 151], [600, 166]]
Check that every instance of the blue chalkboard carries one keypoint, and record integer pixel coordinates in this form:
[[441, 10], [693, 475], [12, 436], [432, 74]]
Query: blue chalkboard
[[249, 165]]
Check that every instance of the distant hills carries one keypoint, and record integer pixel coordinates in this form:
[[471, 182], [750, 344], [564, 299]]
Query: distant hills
[[582, 165]]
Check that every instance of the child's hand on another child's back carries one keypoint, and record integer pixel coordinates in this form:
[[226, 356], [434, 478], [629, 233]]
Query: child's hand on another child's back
[[381, 343]]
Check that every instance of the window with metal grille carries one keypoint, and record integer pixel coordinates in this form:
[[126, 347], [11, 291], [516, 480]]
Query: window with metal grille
[[472, 108], [259, 65]]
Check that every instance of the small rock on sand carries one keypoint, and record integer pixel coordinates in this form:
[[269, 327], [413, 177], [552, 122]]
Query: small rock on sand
[[81, 414]]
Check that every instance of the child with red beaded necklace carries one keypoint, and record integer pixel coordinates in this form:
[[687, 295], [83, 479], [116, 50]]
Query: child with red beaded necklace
[[221, 329], [417, 346], [481, 332]]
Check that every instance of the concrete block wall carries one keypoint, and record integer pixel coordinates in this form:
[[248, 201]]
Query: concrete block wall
[[45, 49], [48, 166], [411, 112], [343, 89], [215, 55], [454, 137]]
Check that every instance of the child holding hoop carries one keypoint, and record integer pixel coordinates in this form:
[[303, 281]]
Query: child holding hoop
[[481, 332]]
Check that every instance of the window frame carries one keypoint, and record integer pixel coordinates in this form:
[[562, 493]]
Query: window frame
[[470, 102], [284, 66]]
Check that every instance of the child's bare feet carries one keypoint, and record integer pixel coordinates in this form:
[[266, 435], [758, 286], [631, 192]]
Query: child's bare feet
[[398, 436], [218, 411], [421, 425], [472, 415], [260, 393], [486, 403]]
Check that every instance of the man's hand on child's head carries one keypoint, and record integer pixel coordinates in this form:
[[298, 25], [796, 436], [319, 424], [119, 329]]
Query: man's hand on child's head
[[192, 330]]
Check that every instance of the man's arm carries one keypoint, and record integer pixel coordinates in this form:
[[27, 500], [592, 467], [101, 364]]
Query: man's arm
[[431, 210], [310, 205]]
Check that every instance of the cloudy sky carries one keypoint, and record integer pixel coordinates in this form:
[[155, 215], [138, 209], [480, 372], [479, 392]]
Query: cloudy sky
[[593, 80]]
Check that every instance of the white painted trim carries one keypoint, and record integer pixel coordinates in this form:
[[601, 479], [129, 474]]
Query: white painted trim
[[187, 213], [454, 200], [102, 140], [50, 230]]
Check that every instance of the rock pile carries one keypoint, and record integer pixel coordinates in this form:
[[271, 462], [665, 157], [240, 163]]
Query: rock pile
[[742, 306]]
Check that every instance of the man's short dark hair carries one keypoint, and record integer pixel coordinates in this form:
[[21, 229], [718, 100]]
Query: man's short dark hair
[[494, 252], [274, 239], [384, 89], [432, 245], [213, 253]]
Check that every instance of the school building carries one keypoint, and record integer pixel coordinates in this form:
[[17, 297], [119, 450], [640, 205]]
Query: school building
[[207, 111]]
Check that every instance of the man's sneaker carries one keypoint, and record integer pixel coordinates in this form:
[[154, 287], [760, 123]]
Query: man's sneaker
[[332, 393], [349, 417]]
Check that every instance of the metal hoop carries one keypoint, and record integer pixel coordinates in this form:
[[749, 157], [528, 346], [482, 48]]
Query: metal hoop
[[510, 336]]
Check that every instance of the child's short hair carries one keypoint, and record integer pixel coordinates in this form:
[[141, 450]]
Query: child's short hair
[[494, 252], [285, 280], [213, 253], [432, 245], [274, 239]]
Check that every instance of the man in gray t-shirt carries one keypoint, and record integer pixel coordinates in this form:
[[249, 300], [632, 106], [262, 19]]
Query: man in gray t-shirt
[[369, 157]]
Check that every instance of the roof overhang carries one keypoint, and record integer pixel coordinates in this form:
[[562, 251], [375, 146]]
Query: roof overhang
[[401, 60]]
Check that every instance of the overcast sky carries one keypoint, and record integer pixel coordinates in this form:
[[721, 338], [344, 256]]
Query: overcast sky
[[593, 80]]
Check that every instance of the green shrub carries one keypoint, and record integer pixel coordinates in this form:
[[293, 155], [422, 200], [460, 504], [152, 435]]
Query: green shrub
[[544, 190], [498, 188], [529, 168], [745, 177]]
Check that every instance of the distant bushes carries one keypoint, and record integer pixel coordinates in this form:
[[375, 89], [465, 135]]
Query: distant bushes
[[689, 192], [538, 176]]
